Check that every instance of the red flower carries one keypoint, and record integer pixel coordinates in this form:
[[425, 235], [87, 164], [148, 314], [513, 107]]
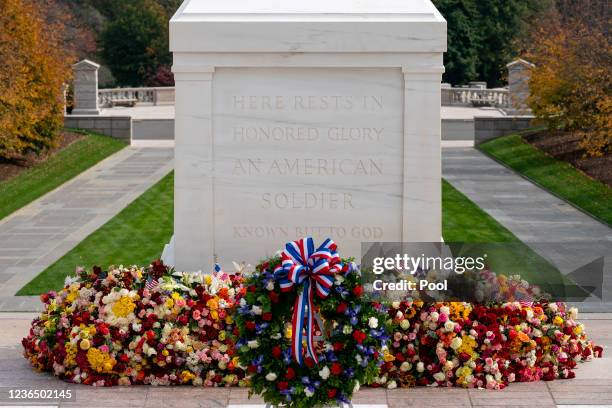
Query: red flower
[[282, 385], [338, 346], [290, 375], [276, 352], [309, 362], [267, 316], [252, 368], [358, 290], [250, 325], [341, 308], [331, 393], [183, 320], [336, 369], [252, 288], [359, 336], [273, 297]]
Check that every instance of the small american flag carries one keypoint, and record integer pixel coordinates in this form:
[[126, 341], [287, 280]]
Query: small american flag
[[151, 283]]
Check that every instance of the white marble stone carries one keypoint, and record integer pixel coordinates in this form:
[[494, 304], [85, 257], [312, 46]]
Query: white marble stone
[[304, 118]]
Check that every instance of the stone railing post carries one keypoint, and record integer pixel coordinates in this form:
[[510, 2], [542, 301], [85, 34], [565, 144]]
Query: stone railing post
[[85, 88], [519, 73]]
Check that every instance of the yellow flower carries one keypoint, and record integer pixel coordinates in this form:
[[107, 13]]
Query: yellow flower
[[229, 319], [123, 307], [165, 352], [578, 329], [187, 376], [388, 356], [176, 296], [169, 303], [212, 304], [558, 321], [288, 332], [207, 279], [214, 315], [85, 344], [100, 361], [222, 335]]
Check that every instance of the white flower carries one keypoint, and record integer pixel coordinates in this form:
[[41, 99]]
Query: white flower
[[347, 329], [405, 366], [529, 314], [553, 307], [324, 373], [276, 336], [136, 327], [404, 324], [270, 285], [339, 279], [420, 367], [373, 322], [445, 310], [573, 312], [434, 316], [271, 376], [392, 385], [456, 343], [308, 392], [439, 376], [449, 326], [395, 305], [256, 310], [253, 344], [356, 387]]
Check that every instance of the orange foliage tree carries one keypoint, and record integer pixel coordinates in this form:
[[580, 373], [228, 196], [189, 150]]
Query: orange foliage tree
[[34, 66], [571, 84]]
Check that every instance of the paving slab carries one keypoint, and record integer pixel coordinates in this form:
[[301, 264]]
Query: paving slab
[[40, 233]]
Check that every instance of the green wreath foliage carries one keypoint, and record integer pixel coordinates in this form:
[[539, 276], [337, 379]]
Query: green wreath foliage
[[353, 333]]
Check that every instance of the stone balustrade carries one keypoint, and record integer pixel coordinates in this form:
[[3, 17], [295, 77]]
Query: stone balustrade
[[475, 97], [108, 98], [165, 96]]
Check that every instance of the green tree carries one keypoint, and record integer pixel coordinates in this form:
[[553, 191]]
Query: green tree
[[482, 37], [135, 42], [461, 58]]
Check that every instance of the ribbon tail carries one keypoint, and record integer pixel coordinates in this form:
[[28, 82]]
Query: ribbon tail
[[310, 329], [299, 310]]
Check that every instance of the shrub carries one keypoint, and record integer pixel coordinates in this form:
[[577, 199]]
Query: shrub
[[34, 66]]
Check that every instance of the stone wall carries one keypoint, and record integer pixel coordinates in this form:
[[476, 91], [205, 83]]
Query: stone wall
[[118, 127], [489, 128]]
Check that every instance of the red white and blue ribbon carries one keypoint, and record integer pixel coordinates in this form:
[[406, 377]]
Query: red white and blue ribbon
[[310, 271]]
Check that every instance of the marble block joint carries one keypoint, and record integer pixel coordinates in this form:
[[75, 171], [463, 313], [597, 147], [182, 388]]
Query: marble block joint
[[303, 118], [85, 88]]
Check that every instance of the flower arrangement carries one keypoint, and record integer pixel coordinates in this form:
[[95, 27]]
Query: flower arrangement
[[139, 326], [299, 330], [324, 361], [478, 346]]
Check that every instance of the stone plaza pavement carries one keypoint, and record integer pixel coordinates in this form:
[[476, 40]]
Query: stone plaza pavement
[[534, 215], [38, 234], [591, 388]]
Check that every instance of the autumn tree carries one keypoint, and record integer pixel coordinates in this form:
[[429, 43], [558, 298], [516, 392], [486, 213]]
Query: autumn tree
[[571, 85], [34, 66]]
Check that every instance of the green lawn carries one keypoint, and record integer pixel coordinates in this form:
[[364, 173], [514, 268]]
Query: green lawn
[[137, 234], [61, 167], [558, 177]]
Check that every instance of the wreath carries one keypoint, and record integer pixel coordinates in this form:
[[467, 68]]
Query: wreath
[[307, 337]]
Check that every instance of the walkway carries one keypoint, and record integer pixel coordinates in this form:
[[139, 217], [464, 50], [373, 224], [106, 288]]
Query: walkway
[[592, 386], [37, 235], [532, 214]]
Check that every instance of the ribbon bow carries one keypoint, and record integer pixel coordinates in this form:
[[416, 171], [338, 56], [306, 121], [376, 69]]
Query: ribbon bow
[[314, 271]]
